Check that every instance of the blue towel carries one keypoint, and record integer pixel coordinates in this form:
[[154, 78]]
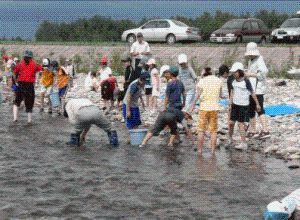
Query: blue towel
[[223, 102], [282, 109]]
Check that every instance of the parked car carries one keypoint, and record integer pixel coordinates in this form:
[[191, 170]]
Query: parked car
[[289, 31], [165, 30], [242, 30]]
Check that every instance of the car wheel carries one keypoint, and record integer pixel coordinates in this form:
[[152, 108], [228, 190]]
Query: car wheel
[[171, 39], [130, 38], [263, 41], [239, 39]]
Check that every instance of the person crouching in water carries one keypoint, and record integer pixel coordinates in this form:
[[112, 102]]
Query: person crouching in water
[[131, 111], [82, 114], [239, 103], [46, 84], [26, 71], [169, 118]]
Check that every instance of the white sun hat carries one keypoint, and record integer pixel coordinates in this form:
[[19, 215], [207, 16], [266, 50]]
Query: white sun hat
[[252, 50], [236, 66], [151, 61], [182, 58], [163, 69]]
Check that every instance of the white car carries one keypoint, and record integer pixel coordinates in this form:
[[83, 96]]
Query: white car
[[289, 31], [165, 30]]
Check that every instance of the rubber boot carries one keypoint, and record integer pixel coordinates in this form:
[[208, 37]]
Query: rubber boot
[[16, 112], [74, 140], [113, 138]]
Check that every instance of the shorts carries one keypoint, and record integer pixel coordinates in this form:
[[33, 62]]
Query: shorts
[[252, 106], [62, 91], [25, 93], [135, 119], [208, 120], [46, 90], [148, 91], [239, 113], [163, 120]]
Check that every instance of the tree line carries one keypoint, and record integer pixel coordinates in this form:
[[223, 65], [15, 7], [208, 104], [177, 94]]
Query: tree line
[[100, 28]]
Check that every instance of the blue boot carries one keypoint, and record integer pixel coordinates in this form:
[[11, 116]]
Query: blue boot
[[113, 138], [74, 140]]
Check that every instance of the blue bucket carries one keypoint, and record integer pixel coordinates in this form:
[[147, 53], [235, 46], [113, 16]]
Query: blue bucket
[[137, 136], [54, 97]]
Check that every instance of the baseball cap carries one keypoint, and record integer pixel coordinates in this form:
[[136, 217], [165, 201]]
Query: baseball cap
[[143, 61], [139, 34], [163, 69], [182, 58], [144, 76], [28, 53], [174, 70]]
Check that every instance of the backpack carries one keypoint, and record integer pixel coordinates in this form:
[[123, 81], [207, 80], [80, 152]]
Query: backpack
[[106, 87]]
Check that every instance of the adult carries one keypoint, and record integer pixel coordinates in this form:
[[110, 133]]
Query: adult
[[257, 73], [168, 118], [26, 71], [209, 89], [138, 50], [189, 78], [131, 111], [82, 114], [175, 92]]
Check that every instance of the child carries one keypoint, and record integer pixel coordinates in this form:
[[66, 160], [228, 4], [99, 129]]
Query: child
[[239, 103], [108, 87], [168, 118], [175, 90], [46, 84], [148, 86], [129, 75], [209, 89], [155, 83]]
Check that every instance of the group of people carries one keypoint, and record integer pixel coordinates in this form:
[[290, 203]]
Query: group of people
[[142, 78]]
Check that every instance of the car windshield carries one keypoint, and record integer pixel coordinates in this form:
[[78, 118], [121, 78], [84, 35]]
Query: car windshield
[[234, 24], [179, 23], [291, 23]]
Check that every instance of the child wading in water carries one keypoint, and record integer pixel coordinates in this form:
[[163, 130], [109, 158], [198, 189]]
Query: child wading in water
[[239, 103], [46, 85]]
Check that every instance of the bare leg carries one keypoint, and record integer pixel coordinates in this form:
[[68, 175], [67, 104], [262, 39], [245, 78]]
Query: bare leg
[[231, 128], [42, 101], [252, 127], [200, 142], [242, 131], [15, 112], [171, 141], [264, 122], [213, 142], [149, 135]]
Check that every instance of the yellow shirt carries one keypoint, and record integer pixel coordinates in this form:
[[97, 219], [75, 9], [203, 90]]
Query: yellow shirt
[[47, 78], [209, 88]]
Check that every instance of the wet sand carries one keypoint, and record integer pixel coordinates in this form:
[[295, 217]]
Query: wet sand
[[41, 177]]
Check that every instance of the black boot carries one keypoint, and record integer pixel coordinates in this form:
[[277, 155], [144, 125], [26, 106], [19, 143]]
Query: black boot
[[74, 140]]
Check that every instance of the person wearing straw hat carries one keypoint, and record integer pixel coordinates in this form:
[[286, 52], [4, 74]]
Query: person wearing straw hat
[[239, 104], [169, 118], [257, 73], [26, 71], [209, 90], [188, 77]]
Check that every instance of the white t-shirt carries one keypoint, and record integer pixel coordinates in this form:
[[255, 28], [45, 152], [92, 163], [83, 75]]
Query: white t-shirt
[[241, 92], [104, 73], [137, 47]]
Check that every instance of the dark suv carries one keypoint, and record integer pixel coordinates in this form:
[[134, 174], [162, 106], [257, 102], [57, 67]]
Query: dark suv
[[242, 30]]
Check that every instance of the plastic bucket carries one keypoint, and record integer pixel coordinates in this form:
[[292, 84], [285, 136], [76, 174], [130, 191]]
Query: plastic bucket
[[54, 97], [137, 136]]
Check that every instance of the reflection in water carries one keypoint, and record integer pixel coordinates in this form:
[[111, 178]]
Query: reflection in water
[[207, 167]]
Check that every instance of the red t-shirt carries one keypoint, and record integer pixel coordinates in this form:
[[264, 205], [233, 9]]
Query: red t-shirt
[[112, 80], [27, 72]]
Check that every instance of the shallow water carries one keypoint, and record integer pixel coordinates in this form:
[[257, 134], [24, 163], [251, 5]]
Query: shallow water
[[42, 177]]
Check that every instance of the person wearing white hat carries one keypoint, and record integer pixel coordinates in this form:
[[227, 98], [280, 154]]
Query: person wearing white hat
[[46, 83], [155, 81], [188, 77], [257, 73], [239, 103]]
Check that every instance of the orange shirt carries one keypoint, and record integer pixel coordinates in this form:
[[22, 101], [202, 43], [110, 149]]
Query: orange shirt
[[47, 78], [63, 78]]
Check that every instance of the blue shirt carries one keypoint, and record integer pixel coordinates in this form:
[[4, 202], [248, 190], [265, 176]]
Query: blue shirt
[[175, 89], [148, 83], [135, 91]]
